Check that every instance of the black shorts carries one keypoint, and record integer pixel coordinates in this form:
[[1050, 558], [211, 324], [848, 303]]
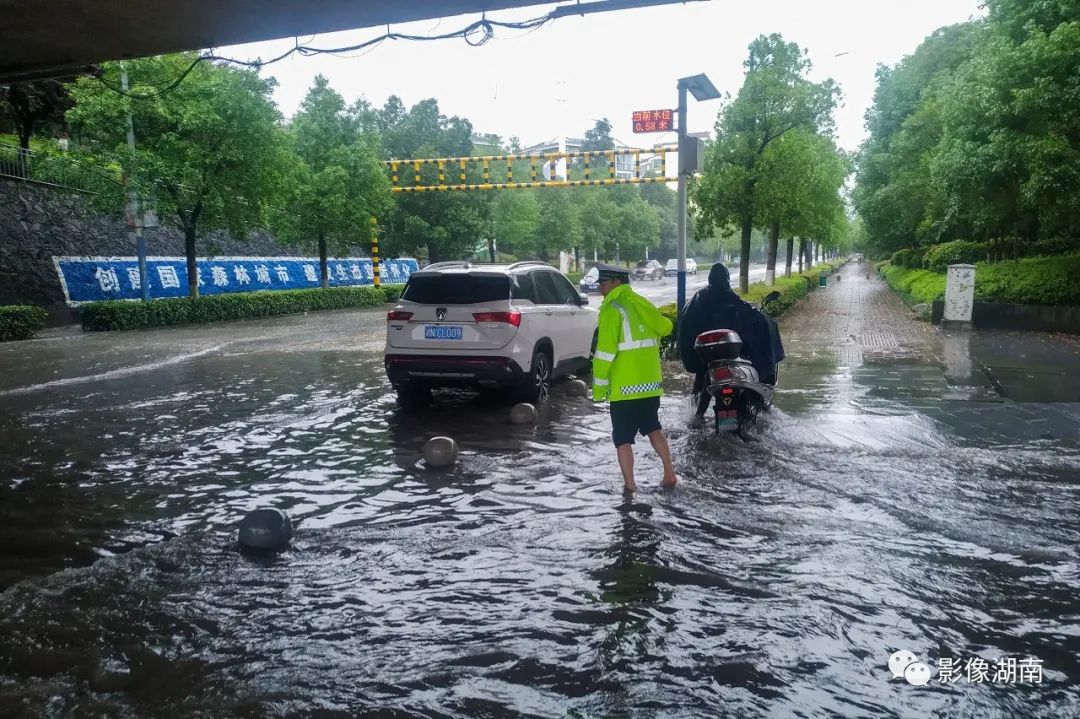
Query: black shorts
[[630, 416]]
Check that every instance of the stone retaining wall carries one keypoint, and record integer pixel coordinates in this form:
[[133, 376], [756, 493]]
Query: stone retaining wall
[[37, 222]]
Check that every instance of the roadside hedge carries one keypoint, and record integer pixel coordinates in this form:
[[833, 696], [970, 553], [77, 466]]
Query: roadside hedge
[[916, 286], [125, 315], [912, 259], [939, 257], [1030, 281], [392, 293], [20, 322]]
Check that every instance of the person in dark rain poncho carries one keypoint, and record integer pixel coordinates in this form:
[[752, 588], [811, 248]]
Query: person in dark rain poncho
[[718, 307]]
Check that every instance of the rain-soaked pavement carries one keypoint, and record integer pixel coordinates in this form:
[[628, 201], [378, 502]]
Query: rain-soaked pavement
[[913, 490]]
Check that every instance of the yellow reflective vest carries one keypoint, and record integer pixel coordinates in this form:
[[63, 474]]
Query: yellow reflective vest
[[627, 360]]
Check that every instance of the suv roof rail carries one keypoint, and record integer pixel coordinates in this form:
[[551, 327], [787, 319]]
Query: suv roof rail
[[446, 265], [523, 263]]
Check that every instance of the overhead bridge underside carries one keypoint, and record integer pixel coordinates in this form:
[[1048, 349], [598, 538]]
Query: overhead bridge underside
[[43, 38]]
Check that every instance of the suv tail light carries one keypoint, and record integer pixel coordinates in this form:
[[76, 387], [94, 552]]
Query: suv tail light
[[512, 318], [398, 316]]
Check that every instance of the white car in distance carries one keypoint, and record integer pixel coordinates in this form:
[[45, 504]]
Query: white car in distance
[[672, 266]]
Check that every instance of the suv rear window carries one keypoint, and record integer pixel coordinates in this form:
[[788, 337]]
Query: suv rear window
[[456, 289]]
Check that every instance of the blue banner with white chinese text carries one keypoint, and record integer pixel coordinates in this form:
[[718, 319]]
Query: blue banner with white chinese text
[[87, 279]]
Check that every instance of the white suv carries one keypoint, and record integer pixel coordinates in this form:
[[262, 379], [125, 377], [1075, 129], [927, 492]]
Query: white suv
[[515, 327]]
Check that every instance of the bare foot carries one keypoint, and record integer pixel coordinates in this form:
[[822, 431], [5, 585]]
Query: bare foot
[[669, 481], [629, 488]]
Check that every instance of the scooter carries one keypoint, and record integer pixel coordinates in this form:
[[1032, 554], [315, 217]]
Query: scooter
[[739, 396]]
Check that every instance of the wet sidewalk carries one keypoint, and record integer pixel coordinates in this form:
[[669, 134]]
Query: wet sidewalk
[[856, 339]]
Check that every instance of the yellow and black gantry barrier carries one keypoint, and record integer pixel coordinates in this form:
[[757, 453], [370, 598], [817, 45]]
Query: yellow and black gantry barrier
[[496, 172]]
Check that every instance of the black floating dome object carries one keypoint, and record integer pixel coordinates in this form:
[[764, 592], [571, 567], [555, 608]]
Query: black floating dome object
[[265, 530], [717, 345]]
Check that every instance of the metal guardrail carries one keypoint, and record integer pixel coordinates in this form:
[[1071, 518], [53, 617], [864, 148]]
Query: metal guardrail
[[65, 170]]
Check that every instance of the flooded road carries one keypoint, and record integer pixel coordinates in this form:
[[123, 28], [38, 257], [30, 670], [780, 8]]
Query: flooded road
[[904, 495]]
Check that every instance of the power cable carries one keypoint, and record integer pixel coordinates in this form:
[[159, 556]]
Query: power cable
[[475, 34]]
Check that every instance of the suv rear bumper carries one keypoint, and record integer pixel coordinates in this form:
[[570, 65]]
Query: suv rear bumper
[[443, 371]]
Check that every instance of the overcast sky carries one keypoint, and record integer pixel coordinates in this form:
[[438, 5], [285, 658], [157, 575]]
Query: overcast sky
[[558, 79]]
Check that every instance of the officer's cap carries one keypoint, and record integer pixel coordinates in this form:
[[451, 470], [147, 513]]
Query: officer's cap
[[611, 272]]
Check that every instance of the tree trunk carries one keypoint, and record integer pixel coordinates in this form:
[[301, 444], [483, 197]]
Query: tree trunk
[[25, 133], [802, 253], [577, 260], [790, 250], [192, 268], [324, 266], [770, 261], [491, 250], [744, 260]]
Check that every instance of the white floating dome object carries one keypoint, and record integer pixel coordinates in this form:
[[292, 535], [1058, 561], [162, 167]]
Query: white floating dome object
[[523, 413], [440, 452], [578, 388]]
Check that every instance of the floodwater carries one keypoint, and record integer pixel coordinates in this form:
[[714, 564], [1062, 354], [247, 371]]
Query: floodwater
[[775, 581]]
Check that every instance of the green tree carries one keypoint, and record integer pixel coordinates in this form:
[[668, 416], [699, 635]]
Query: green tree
[[560, 224], [1009, 160], [598, 137], [666, 203], [33, 106], [209, 151], [799, 191], [616, 222], [337, 181], [775, 99], [598, 217], [901, 201], [638, 227], [447, 225], [515, 217]]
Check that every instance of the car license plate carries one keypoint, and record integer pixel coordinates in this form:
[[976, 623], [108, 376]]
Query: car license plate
[[442, 333]]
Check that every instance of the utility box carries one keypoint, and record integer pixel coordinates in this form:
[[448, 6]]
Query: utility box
[[959, 297], [691, 154]]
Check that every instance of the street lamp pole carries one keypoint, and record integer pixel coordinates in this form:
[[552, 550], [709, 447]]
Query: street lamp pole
[[134, 215], [681, 131], [690, 155]]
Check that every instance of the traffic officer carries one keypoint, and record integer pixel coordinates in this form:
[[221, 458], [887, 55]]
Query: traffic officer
[[626, 370]]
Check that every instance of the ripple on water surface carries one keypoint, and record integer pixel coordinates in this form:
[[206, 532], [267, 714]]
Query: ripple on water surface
[[774, 582]]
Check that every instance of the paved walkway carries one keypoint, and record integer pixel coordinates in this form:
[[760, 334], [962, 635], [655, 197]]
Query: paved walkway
[[858, 319], [854, 346]]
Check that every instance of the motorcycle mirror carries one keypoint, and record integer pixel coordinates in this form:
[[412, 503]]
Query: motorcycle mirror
[[772, 296]]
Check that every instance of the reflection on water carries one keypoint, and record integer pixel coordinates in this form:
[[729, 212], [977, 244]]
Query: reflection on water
[[774, 582]]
